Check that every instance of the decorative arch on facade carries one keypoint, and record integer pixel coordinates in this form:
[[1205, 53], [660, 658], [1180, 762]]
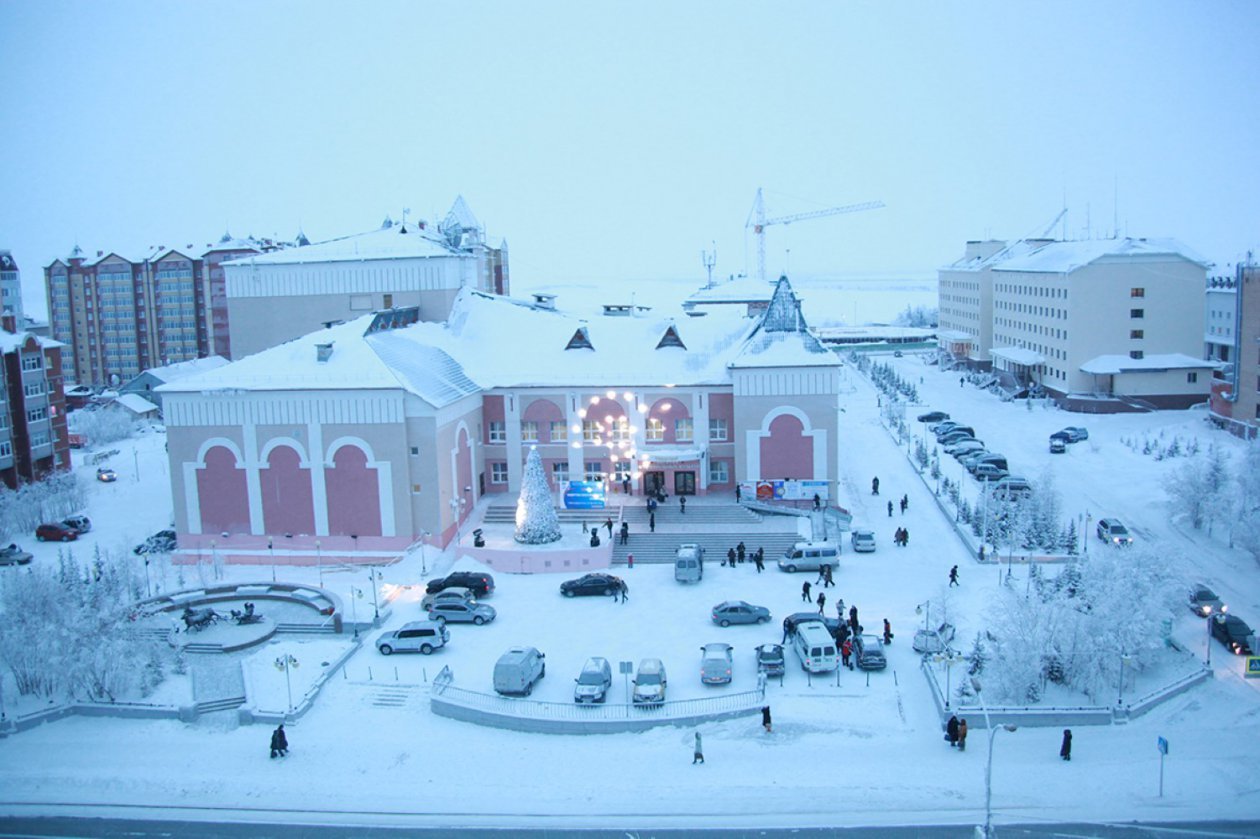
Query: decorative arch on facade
[[787, 446], [352, 481], [611, 417], [462, 473], [217, 489], [284, 481], [544, 412], [668, 409]]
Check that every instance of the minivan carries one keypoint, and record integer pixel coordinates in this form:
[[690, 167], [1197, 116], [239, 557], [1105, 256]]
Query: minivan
[[810, 556], [415, 637], [689, 563], [649, 682], [518, 670], [815, 647], [594, 681]]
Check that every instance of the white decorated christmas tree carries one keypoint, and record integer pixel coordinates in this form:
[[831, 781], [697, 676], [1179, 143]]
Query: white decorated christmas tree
[[536, 519]]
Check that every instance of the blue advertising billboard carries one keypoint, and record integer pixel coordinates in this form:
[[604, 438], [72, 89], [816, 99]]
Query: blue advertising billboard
[[584, 495]]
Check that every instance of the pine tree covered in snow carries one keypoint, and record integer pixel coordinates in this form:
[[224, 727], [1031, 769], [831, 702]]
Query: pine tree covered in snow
[[1246, 532], [536, 520]]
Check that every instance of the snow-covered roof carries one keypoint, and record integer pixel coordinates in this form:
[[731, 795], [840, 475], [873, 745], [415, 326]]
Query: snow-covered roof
[[395, 241], [782, 338], [1063, 257], [1018, 355], [180, 369], [741, 290], [1116, 364], [954, 335], [10, 341], [461, 215], [136, 404]]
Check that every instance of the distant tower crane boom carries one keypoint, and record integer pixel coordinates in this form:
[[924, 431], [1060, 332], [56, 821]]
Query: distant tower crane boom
[[758, 222]]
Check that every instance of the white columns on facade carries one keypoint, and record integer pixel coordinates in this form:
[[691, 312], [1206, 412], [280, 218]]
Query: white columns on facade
[[319, 488], [512, 428], [700, 434], [572, 405], [253, 480]]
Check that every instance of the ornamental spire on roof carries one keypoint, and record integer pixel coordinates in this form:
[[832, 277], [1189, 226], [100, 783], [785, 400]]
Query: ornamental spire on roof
[[783, 314]]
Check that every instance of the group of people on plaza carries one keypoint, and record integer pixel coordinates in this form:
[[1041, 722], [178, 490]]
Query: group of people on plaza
[[739, 554]]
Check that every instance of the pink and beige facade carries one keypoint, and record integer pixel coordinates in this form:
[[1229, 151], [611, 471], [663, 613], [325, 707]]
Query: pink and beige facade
[[360, 440]]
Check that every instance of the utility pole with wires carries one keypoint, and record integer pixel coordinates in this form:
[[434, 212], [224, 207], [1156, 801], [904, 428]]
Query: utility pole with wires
[[709, 259]]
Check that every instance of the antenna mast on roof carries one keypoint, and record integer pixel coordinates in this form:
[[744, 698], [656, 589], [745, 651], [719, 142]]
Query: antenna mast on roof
[[709, 259], [1115, 206]]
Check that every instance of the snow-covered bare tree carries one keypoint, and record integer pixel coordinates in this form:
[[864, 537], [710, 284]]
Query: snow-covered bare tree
[[1246, 531], [1200, 488], [536, 520], [102, 426]]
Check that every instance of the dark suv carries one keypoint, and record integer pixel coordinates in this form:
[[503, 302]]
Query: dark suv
[[1233, 632], [481, 584]]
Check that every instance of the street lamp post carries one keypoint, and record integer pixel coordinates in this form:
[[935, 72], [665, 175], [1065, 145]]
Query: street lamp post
[[354, 612], [1120, 690], [287, 662], [319, 561], [271, 549], [424, 538], [988, 768], [374, 575]]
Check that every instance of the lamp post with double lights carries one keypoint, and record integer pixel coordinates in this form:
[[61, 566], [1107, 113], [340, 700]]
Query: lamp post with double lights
[[988, 767], [271, 549], [286, 663], [374, 575]]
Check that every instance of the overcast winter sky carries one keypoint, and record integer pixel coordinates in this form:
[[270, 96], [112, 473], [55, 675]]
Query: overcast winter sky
[[614, 141]]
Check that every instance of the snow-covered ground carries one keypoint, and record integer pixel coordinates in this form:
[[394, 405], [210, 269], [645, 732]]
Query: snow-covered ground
[[860, 752]]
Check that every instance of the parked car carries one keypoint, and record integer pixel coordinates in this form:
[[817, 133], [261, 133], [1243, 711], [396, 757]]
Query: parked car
[[933, 640], [969, 444], [870, 652], [988, 472], [594, 682], [13, 555], [715, 663], [1011, 486], [770, 659], [1205, 603], [482, 584], [792, 621], [1075, 434], [82, 524], [106, 475], [589, 584], [933, 416], [162, 542], [462, 612], [450, 595], [863, 541], [972, 461], [1058, 445], [689, 563], [55, 532], [416, 637], [955, 436], [958, 430], [942, 427], [1233, 632], [737, 611], [649, 683], [518, 670], [1113, 531]]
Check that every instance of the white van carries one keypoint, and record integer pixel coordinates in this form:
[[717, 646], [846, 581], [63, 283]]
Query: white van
[[689, 563], [810, 556], [815, 647], [518, 670], [649, 682]]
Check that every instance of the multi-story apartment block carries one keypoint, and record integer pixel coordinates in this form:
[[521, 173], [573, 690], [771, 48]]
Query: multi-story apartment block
[[370, 435], [1101, 325], [1233, 336], [276, 297], [11, 288]]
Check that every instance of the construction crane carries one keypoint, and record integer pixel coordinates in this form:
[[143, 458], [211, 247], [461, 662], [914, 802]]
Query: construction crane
[[758, 222]]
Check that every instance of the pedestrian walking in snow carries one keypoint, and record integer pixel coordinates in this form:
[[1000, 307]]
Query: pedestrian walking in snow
[[738, 494], [897, 537], [822, 601], [905, 502], [651, 522], [583, 525], [982, 553], [962, 735], [682, 505], [840, 608], [905, 537], [827, 581], [740, 551], [817, 501], [875, 486], [846, 650], [1065, 750], [625, 532], [759, 559], [960, 381], [853, 620], [805, 592], [608, 524], [625, 591], [279, 743], [699, 755], [787, 630], [730, 556], [765, 718], [625, 485], [951, 732], [953, 576], [888, 636], [889, 509]]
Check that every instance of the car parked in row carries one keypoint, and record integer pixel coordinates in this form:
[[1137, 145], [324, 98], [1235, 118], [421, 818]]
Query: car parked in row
[[869, 652], [450, 595], [716, 661], [80, 523], [481, 584], [1057, 445], [738, 611], [13, 555], [770, 659], [591, 584], [1205, 603], [649, 683], [518, 670], [594, 682], [1114, 532], [162, 542], [463, 612], [989, 472], [933, 417], [1011, 486], [55, 532], [964, 446], [416, 637], [792, 621], [1071, 434]]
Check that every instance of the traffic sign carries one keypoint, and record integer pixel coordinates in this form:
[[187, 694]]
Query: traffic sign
[[1252, 670]]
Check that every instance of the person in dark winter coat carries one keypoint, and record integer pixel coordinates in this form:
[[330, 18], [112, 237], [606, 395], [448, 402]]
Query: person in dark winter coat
[[962, 735], [905, 502], [279, 743], [625, 532], [740, 551], [805, 592], [888, 636], [1065, 750], [853, 621], [699, 753], [608, 524], [759, 559], [874, 486], [817, 501], [651, 522], [765, 718], [953, 576], [822, 601], [682, 505], [889, 509], [787, 630], [905, 537], [738, 494], [951, 732], [730, 557], [897, 537]]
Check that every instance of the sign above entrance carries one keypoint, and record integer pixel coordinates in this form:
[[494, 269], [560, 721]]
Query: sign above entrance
[[788, 489], [584, 495]]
